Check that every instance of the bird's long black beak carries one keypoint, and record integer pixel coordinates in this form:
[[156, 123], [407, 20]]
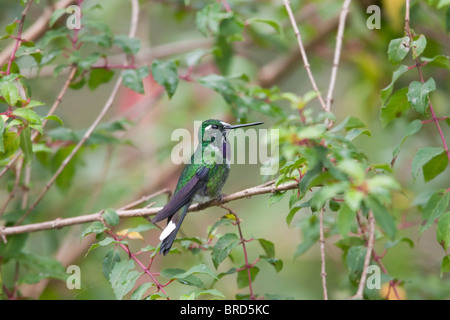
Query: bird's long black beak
[[243, 125]]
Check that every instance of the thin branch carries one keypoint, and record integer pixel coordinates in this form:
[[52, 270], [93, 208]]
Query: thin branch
[[370, 241], [106, 107], [50, 112], [418, 65], [19, 36], [337, 52], [145, 212], [323, 273], [303, 53], [242, 240]]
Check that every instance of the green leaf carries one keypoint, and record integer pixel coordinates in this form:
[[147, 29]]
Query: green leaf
[[268, 247], [13, 246], [310, 234], [175, 273], [54, 118], [411, 129], [383, 218], [11, 142], [58, 13], [445, 265], [95, 227], [128, 45], [111, 258], [435, 166], [355, 262], [38, 268], [26, 144], [223, 247], [435, 207], [272, 23], [390, 244], [242, 277], [440, 61], [209, 18], [387, 91], [396, 106], [418, 94], [422, 157], [443, 231], [132, 78], [327, 192], [418, 46], [276, 197], [11, 27], [99, 76], [111, 217], [123, 278], [398, 49], [28, 114], [10, 93], [64, 180], [276, 263], [166, 74], [2, 130], [140, 291], [345, 219]]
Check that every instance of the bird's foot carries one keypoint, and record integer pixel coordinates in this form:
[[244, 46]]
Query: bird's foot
[[220, 198]]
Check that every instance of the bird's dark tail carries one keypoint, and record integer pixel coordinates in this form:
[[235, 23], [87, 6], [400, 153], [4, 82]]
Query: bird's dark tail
[[168, 240]]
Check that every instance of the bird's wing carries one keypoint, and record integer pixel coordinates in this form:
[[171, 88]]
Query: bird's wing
[[184, 195]]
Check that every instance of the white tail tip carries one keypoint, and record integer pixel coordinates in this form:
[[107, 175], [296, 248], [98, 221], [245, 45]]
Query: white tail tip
[[168, 230]]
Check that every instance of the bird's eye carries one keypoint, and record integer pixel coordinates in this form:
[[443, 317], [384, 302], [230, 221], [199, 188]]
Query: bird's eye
[[214, 126]]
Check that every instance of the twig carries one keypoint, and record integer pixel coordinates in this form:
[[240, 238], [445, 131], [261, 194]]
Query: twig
[[370, 241], [323, 273], [50, 112], [37, 28], [106, 107], [418, 64], [146, 212], [303, 53], [337, 53], [242, 240], [19, 35]]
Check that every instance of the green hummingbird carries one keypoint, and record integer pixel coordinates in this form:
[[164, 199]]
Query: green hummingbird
[[201, 180]]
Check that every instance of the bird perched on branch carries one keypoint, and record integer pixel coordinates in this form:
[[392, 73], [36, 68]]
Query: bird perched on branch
[[201, 180]]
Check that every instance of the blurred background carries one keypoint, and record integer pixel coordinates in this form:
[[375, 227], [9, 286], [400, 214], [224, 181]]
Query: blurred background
[[112, 175]]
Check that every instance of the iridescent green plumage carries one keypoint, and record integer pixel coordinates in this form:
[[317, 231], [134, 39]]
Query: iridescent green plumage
[[201, 180]]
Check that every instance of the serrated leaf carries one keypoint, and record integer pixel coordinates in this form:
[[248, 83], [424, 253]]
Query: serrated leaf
[[422, 157], [166, 74], [55, 118], [418, 94], [223, 247], [440, 61], [398, 49], [10, 93]]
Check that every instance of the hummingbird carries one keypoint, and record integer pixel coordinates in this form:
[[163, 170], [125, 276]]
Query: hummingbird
[[202, 178]]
